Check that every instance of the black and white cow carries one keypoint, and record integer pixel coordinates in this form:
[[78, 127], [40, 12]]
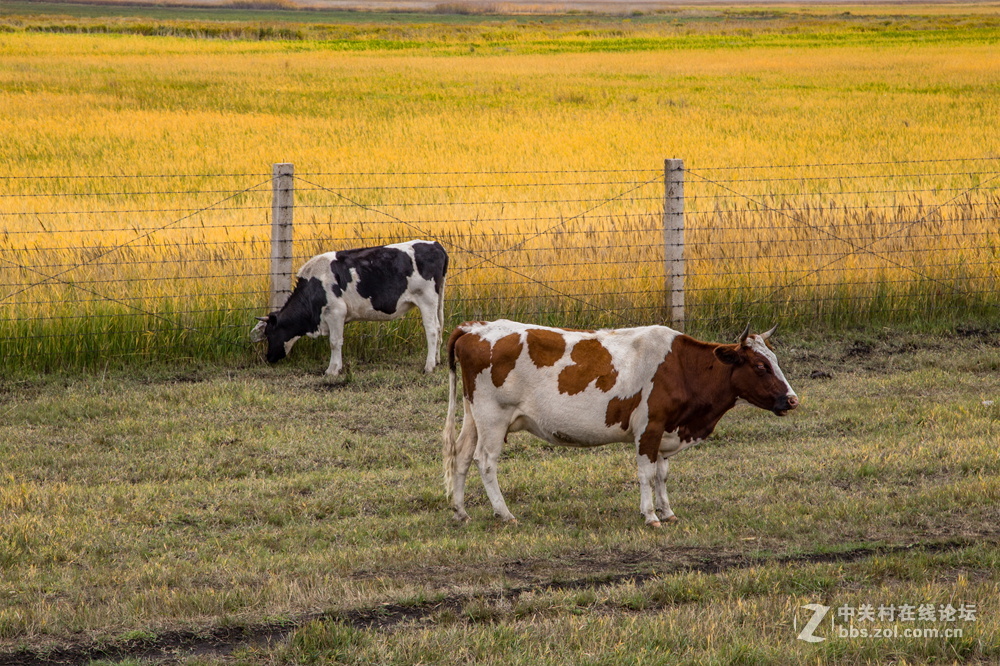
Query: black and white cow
[[369, 284]]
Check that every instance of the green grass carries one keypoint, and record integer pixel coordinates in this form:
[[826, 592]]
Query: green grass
[[188, 336], [193, 507]]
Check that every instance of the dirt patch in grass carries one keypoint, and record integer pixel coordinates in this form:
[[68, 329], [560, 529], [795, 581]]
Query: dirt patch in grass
[[586, 572]]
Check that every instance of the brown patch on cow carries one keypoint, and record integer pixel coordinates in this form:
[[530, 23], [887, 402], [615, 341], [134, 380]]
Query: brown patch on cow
[[506, 351], [620, 410], [473, 354], [545, 347], [692, 390], [591, 361]]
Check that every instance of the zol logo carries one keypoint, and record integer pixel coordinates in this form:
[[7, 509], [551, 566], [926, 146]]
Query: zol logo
[[819, 612]]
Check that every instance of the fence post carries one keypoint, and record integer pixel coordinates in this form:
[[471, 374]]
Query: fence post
[[283, 202], [673, 241]]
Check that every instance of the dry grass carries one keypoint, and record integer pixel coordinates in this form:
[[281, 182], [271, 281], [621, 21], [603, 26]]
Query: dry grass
[[137, 505]]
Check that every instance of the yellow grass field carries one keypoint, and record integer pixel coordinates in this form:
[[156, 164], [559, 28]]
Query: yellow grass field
[[467, 119]]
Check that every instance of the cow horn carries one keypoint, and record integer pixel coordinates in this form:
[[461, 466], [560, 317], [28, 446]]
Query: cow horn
[[766, 335], [264, 319], [743, 336]]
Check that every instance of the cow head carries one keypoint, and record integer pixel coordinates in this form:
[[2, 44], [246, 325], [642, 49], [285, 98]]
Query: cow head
[[280, 338], [300, 315], [757, 378]]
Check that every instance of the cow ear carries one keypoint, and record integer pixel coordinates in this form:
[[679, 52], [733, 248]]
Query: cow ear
[[729, 354]]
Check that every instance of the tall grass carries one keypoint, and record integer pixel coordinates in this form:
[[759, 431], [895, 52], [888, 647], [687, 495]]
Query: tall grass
[[188, 282], [904, 261], [189, 286]]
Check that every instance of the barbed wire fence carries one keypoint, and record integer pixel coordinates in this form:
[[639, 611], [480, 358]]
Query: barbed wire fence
[[107, 269], [859, 244]]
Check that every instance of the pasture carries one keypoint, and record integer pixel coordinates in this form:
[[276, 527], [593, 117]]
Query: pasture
[[267, 515], [209, 509]]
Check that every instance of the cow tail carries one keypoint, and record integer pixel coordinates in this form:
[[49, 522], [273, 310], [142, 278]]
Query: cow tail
[[448, 435]]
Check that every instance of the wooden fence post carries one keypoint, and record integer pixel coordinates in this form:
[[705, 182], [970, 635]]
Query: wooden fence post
[[283, 202], [673, 241]]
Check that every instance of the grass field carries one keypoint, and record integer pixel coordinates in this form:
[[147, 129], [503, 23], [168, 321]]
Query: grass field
[[263, 516], [213, 510]]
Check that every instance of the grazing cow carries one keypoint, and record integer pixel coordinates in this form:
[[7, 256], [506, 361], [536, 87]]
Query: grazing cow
[[652, 385], [370, 284]]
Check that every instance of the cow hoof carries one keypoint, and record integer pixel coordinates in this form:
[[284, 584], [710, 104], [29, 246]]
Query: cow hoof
[[461, 518], [672, 519], [655, 524]]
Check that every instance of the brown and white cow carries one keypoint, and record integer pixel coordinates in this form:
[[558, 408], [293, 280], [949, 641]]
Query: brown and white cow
[[652, 385]]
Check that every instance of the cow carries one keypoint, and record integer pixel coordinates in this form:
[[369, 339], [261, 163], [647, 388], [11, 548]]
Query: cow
[[370, 284], [656, 387]]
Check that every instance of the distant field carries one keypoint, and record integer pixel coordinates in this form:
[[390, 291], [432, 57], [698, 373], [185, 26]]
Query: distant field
[[92, 91], [137, 94], [456, 9], [544, 27]]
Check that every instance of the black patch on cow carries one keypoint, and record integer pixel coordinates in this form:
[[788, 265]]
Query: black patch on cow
[[301, 312], [432, 263], [341, 273], [382, 274], [300, 315]]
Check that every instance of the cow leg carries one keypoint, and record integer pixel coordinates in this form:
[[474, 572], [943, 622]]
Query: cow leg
[[335, 325], [647, 458], [487, 457], [660, 490], [432, 329], [647, 473], [465, 448], [440, 321], [669, 445]]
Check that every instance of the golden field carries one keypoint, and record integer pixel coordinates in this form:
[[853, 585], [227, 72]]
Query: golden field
[[137, 162]]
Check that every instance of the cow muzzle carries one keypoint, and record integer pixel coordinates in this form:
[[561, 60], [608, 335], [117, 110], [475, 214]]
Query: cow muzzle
[[786, 404]]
